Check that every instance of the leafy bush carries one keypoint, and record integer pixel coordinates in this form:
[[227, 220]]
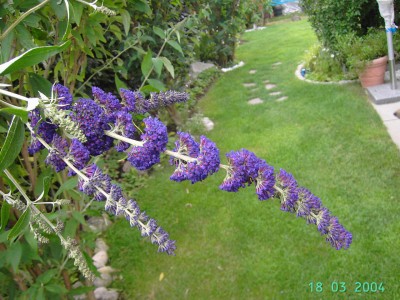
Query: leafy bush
[[333, 18]]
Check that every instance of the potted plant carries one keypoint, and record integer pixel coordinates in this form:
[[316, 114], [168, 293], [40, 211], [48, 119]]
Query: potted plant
[[365, 56]]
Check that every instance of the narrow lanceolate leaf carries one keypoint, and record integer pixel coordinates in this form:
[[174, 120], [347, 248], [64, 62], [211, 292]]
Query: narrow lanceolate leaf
[[126, 20], [19, 227], [13, 144], [17, 111], [157, 84], [158, 64], [168, 65], [5, 214], [159, 32], [176, 46], [31, 57], [45, 187], [147, 63]]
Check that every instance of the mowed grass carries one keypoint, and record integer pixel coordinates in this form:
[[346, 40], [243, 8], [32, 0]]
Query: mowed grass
[[232, 246]]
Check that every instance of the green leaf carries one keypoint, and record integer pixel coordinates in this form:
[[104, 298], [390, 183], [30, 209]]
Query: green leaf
[[77, 215], [148, 89], [178, 36], [13, 144], [147, 63], [14, 254], [39, 84], [159, 32], [126, 20], [168, 65], [21, 224], [158, 64], [119, 83], [31, 57], [45, 187], [56, 288], [175, 45], [20, 112], [142, 6], [157, 84], [5, 214], [47, 276], [67, 185]]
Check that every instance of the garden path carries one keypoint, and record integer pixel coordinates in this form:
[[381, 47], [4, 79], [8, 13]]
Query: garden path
[[392, 123]]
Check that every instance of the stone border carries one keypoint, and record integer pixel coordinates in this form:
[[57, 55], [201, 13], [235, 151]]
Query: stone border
[[298, 75]]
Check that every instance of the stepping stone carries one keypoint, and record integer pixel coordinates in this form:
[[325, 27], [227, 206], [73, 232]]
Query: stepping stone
[[276, 64], [275, 93], [255, 101], [252, 71], [251, 84], [282, 98], [254, 90], [266, 81], [270, 86]]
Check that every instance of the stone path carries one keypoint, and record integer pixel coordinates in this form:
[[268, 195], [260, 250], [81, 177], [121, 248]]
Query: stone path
[[269, 86], [392, 123]]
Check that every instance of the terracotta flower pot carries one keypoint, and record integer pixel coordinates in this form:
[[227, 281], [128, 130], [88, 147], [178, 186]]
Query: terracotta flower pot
[[374, 72]]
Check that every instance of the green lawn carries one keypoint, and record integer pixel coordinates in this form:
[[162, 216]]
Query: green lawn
[[232, 246]]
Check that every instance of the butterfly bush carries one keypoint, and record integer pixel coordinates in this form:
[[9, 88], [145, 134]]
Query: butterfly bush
[[105, 121]]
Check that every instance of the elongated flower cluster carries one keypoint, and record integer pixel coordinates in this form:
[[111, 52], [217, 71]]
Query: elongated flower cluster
[[155, 140], [205, 158], [118, 205], [106, 118], [43, 129], [136, 103]]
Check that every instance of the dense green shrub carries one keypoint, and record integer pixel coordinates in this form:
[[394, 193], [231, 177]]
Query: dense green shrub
[[332, 18]]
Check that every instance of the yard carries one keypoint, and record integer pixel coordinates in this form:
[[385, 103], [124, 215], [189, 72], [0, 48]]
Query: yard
[[233, 246]]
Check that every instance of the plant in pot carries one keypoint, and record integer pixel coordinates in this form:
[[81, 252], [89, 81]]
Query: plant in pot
[[365, 56]]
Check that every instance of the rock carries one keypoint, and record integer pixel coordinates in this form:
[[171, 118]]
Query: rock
[[102, 293], [99, 224], [282, 98], [197, 67], [208, 124], [275, 93], [76, 285], [270, 86], [250, 84], [252, 71], [100, 245], [104, 280], [255, 101], [100, 259]]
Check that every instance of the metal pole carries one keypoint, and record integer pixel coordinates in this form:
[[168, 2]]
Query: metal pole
[[392, 65]]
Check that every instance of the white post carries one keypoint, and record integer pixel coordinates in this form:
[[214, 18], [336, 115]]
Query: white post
[[386, 10]]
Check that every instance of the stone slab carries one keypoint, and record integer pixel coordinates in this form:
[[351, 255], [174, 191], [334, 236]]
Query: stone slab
[[252, 71], [282, 98], [250, 84], [275, 93], [383, 94], [270, 86], [393, 128], [387, 111], [255, 101]]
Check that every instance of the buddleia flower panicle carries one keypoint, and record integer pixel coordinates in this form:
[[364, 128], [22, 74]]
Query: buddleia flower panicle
[[137, 103], [117, 204], [265, 181], [108, 102], [185, 145], [57, 153], [96, 180], [288, 190], [78, 155], [155, 139], [207, 162], [93, 122], [337, 235], [43, 128], [123, 125], [63, 95], [307, 203], [243, 169]]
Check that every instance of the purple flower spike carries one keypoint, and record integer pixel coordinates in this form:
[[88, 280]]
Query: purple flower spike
[[289, 195], [265, 181], [108, 101], [78, 154], [323, 220], [44, 129], [134, 101], [92, 121], [338, 236], [244, 166], [207, 162], [123, 125], [58, 152], [307, 203], [96, 180], [63, 93], [155, 140], [185, 145]]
